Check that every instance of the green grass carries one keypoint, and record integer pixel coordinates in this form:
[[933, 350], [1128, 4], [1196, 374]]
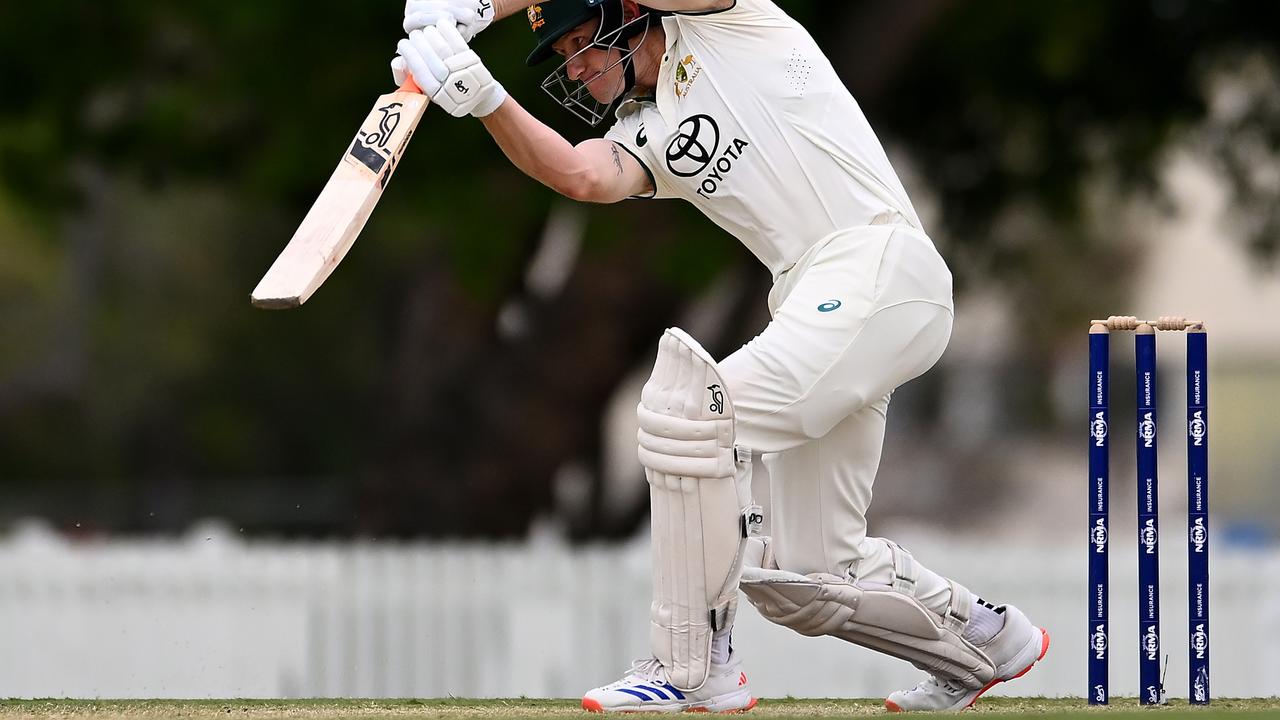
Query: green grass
[[524, 709]]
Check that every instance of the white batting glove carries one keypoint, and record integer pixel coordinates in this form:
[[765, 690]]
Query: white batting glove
[[448, 71], [471, 16]]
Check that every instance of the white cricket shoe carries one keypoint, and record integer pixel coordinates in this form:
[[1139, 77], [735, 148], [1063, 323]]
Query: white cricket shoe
[[1014, 649], [645, 688]]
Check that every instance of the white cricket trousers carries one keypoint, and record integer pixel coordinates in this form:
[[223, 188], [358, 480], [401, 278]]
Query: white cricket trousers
[[862, 312]]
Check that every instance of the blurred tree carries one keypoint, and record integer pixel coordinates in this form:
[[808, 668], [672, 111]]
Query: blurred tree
[[154, 158], [1034, 122]]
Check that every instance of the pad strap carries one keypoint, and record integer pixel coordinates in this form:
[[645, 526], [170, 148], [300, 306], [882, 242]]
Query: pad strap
[[680, 446], [906, 571], [958, 609]]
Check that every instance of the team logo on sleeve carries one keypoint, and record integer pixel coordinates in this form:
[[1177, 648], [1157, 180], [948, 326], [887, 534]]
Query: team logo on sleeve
[[687, 71]]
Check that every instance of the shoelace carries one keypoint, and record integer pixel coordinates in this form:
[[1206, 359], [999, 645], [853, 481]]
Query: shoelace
[[649, 667], [934, 680]]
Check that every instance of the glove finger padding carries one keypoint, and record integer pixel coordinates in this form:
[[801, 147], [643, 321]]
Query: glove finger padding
[[399, 70], [700, 494], [427, 77], [426, 13], [431, 36], [451, 37], [469, 16]]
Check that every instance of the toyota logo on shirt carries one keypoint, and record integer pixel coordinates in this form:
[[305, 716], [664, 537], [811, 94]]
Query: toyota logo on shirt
[[694, 146]]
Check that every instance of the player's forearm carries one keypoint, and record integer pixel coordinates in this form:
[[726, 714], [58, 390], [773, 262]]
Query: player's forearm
[[542, 153]]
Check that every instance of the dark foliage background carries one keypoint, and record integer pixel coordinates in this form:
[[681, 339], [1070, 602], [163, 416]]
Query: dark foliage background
[[154, 157]]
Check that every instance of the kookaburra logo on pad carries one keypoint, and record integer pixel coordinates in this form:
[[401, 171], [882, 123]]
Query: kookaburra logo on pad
[[717, 399]]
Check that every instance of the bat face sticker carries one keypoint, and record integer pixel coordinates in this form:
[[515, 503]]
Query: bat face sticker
[[370, 146]]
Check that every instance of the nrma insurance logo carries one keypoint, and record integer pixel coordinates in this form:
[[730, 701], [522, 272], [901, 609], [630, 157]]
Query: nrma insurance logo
[[1151, 643], [1148, 537], [1147, 430], [1199, 642], [1098, 429], [1197, 428], [1199, 536], [1098, 642], [1098, 535]]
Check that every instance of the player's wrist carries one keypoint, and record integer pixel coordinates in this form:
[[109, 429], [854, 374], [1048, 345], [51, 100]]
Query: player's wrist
[[490, 101]]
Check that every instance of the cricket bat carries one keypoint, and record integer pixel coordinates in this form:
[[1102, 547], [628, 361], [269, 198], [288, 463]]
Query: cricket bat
[[345, 203]]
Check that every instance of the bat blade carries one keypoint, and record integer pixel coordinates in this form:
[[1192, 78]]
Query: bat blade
[[345, 203]]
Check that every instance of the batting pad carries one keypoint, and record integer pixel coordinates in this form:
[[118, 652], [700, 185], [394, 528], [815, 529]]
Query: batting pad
[[699, 490], [887, 618]]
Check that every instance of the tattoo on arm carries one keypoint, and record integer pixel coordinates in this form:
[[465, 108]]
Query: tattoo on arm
[[617, 159]]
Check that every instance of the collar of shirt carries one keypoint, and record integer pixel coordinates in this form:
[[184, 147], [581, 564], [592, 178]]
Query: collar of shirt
[[665, 98]]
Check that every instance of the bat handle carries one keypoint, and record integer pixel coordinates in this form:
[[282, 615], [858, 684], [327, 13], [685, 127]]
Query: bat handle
[[410, 86]]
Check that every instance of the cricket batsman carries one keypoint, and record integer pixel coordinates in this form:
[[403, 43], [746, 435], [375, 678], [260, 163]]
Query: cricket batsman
[[731, 106]]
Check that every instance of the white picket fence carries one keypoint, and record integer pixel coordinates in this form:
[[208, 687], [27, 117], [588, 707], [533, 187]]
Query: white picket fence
[[213, 616]]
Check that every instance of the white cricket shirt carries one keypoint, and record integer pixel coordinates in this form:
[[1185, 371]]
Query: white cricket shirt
[[751, 124]]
